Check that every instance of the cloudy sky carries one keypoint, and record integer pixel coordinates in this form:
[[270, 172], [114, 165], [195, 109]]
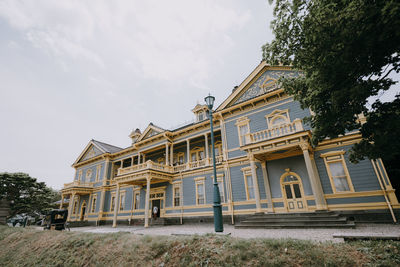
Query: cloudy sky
[[75, 70]]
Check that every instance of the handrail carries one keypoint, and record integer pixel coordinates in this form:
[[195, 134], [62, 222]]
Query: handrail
[[78, 183], [279, 130]]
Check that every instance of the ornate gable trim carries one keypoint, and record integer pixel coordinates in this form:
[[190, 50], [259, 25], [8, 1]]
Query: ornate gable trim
[[263, 79], [150, 131], [89, 152]]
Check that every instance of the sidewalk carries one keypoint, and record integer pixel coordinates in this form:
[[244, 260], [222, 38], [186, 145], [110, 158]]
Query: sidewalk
[[201, 229]]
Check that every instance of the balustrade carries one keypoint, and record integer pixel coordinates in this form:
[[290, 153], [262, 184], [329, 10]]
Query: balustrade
[[278, 131]]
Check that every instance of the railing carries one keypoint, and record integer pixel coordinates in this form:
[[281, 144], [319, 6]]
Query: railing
[[197, 164], [78, 184], [278, 131], [170, 169]]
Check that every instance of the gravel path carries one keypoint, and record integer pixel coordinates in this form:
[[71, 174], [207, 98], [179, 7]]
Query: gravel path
[[201, 229]]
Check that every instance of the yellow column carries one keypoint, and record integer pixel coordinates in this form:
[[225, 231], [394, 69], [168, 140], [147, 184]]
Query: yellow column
[[267, 187], [206, 146], [255, 183], [101, 207], [116, 207], [146, 206], [187, 154], [166, 154], [315, 184], [171, 162], [71, 203]]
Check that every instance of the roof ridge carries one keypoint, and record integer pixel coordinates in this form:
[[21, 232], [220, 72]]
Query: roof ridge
[[102, 143]]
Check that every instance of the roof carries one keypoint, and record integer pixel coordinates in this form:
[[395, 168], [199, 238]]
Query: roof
[[106, 147]]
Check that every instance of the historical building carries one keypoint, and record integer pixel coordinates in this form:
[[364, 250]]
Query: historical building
[[264, 159]]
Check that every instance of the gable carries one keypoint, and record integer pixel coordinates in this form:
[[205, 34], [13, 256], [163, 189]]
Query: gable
[[262, 80], [91, 152], [150, 131]]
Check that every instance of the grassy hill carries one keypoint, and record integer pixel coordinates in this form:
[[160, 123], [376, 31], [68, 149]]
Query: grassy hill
[[30, 247]]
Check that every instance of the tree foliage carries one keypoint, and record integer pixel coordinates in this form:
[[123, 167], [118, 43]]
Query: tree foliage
[[346, 50], [26, 194]]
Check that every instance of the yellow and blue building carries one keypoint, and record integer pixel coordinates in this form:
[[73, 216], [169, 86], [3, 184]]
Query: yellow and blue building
[[265, 163]]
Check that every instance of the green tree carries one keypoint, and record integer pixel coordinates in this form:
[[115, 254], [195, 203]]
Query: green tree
[[346, 50], [26, 194]]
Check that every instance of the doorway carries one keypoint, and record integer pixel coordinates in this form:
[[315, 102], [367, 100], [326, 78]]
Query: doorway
[[156, 203], [83, 211], [292, 192]]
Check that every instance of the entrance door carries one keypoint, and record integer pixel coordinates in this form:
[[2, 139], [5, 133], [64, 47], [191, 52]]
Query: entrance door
[[293, 193], [83, 211], [156, 203]]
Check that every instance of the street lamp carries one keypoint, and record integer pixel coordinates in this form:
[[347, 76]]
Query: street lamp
[[218, 223]]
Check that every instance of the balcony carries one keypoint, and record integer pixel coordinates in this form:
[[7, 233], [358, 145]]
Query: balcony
[[278, 131], [78, 184], [169, 169]]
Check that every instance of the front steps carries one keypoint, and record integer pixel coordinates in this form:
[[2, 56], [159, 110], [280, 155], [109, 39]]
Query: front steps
[[324, 219]]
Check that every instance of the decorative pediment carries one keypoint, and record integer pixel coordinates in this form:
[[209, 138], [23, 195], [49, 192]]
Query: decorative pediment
[[150, 131], [91, 153], [95, 148], [262, 80]]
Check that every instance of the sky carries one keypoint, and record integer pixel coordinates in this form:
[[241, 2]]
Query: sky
[[76, 70]]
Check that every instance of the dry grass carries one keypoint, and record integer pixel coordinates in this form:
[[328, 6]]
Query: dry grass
[[29, 247]]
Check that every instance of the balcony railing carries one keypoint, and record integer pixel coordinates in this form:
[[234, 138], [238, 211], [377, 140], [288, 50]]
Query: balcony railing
[[170, 169], [144, 166], [278, 131], [78, 184]]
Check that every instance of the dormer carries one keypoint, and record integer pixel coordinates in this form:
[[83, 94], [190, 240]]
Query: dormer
[[135, 135], [200, 112]]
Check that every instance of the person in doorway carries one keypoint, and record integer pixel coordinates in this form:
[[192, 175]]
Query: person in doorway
[[155, 211]]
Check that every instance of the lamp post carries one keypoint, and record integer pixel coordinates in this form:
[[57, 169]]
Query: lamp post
[[218, 223]]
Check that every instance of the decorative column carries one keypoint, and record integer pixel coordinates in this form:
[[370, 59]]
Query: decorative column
[[116, 206], [138, 159], [315, 184], [187, 154], [146, 206], [172, 155], [70, 206], [62, 199], [267, 187], [106, 166], [166, 154], [255, 182], [207, 153], [101, 207]]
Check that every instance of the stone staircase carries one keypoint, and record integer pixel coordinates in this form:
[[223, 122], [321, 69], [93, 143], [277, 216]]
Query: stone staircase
[[322, 219]]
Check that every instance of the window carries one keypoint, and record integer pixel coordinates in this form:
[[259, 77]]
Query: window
[[248, 183], [75, 208], [200, 191], [179, 158], [112, 202], [161, 161], [89, 174], [80, 175], [337, 171], [200, 116], [243, 129], [94, 204], [136, 204], [98, 173], [277, 117], [197, 154], [122, 201], [177, 195]]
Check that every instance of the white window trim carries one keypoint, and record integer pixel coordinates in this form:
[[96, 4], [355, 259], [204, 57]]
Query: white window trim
[[178, 185], [277, 113], [241, 122], [198, 181], [247, 172], [332, 157]]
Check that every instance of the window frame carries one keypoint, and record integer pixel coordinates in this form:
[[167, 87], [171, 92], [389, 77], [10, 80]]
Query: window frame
[[200, 181], [136, 202], [333, 157], [177, 186], [196, 151], [247, 172], [98, 170], [220, 179], [93, 204], [277, 113], [88, 174], [122, 196], [243, 121], [112, 205]]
